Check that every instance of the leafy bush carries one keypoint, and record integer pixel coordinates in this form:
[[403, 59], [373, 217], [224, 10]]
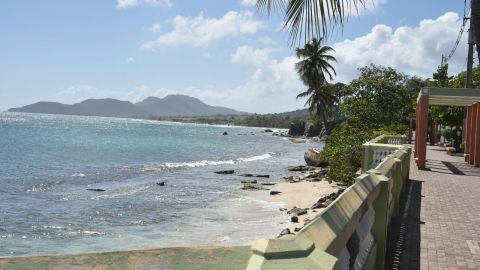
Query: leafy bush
[[343, 149], [297, 128], [448, 134]]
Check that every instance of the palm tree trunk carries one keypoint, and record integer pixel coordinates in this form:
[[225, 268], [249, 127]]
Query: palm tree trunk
[[323, 113], [475, 17]]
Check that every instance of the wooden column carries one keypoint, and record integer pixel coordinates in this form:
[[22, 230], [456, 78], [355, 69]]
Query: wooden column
[[477, 137], [410, 130], [422, 131], [433, 134], [471, 133], [415, 148], [467, 134]]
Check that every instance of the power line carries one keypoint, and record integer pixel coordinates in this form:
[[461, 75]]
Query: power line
[[445, 59]]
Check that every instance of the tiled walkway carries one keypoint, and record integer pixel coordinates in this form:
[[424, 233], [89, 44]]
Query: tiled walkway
[[439, 227]]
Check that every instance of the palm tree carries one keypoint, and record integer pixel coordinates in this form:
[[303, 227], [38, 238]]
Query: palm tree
[[312, 18], [312, 68]]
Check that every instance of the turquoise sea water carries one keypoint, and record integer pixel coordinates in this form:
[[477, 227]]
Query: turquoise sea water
[[47, 163]]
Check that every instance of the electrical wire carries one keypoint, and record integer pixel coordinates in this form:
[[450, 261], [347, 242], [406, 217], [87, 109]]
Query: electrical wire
[[459, 36]]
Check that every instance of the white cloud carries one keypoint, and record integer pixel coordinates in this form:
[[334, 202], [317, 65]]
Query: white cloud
[[271, 85], [248, 2], [123, 4], [156, 28], [201, 31], [78, 93], [130, 60], [370, 7], [413, 50], [251, 56]]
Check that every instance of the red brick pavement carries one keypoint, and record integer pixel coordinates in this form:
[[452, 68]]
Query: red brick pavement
[[439, 225]]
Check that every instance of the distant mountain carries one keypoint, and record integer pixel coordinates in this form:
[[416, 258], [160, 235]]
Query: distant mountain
[[181, 105], [296, 113], [173, 105]]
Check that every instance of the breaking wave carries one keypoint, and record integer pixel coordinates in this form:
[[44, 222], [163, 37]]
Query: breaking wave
[[203, 163]]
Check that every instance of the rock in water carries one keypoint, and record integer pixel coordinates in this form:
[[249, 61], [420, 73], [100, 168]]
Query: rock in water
[[284, 232], [268, 130], [248, 181], [225, 133], [246, 175], [300, 168], [297, 211], [161, 183], [96, 189], [249, 186], [274, 192], [294, 219], [263, 175], [315, 158], [225, 172]]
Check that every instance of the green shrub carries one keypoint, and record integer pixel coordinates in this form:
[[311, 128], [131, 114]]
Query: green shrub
[[448, 134], [297, 128], [343, 149]]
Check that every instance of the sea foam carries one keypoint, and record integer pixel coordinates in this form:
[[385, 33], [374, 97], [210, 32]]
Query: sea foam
[[204, 163]]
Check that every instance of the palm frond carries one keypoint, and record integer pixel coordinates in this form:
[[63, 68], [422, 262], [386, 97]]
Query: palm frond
[[306, 19]]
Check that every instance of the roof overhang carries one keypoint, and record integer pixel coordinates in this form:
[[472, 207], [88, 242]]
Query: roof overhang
[[450, 96]]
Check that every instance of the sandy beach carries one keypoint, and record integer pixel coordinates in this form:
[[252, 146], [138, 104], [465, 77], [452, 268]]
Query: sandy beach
[[303, 194]]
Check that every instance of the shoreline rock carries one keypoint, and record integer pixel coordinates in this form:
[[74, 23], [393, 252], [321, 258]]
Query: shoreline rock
[[96, 189], [225, 172], [315, 158]]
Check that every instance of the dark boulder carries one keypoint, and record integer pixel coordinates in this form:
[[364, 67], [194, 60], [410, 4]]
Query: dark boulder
[[297, 211], [225, 133], [284, 232], [300, 168], [246, 175], [263, 175], [161, 183], [225, 172], [268, 130], [294, 219], [248, 181], [274, 192], [248, 186], [96, 189], [315, 158]]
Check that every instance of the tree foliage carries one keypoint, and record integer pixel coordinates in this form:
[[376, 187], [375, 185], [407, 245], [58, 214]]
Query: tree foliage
[[377, 102], [307, 19], [451, 116], [380, 96], [313, 67]]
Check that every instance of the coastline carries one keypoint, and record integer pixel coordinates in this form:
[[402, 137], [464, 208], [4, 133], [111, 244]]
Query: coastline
[[163, 193], [302, 195]]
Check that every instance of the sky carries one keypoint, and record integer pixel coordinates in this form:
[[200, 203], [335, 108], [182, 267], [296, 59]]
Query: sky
[[225, 53]]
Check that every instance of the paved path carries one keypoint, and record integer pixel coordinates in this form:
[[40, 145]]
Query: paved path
[[439, 225]]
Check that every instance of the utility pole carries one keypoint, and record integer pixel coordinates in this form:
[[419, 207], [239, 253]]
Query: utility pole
[[471, 43]]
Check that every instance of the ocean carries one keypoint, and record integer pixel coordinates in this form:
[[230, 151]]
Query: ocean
[[48, 163]]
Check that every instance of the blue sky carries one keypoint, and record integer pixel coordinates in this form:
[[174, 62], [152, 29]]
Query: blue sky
[[226, 54]]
